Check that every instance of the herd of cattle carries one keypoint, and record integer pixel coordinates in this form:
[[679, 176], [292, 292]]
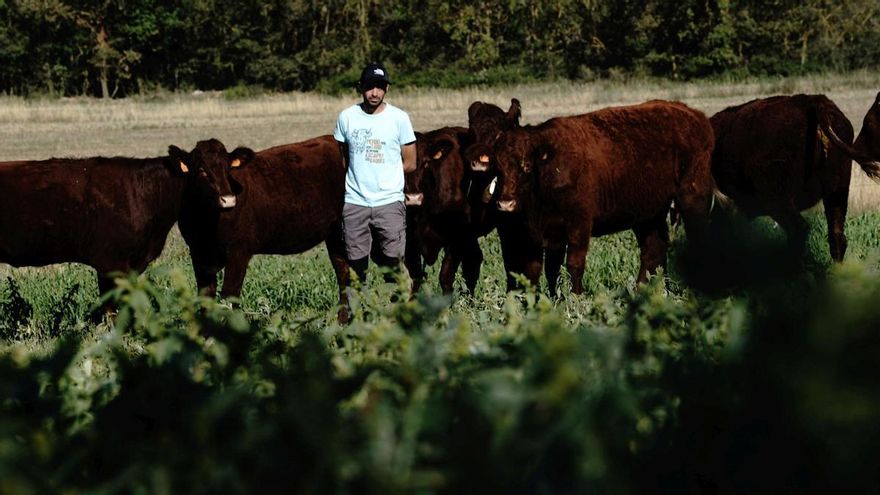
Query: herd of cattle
[[546, 189]]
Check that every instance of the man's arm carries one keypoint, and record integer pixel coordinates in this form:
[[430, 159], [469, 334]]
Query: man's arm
[[408, 153], [343, 149]]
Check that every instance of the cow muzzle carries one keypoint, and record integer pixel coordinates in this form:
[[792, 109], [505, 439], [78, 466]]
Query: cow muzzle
[[414, 199], [507, 205], [227, 201], [481, 164]]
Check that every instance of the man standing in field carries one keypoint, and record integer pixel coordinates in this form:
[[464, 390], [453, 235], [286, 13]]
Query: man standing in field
[[378, 146]]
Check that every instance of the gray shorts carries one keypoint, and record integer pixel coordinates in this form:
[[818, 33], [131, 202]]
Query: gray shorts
[[386, 223]]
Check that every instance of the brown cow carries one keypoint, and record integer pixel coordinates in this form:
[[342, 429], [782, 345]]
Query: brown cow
[[287, 199], [447, 208], [487, 123], [607, 171], [112, 214], [777, 156]]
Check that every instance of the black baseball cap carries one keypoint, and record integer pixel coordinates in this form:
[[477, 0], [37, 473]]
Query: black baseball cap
[[374, 73]]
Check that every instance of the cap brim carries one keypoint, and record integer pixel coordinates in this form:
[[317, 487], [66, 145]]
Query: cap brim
[[374, 80]]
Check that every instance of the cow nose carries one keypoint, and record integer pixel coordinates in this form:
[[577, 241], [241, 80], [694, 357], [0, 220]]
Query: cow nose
[[479, 165], [227, 201], [507, 205], [414, 199]]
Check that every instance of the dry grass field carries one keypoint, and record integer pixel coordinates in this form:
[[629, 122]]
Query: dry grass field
[[145, 126]]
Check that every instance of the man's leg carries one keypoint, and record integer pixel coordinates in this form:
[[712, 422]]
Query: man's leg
[[356, 231], [389, 224]]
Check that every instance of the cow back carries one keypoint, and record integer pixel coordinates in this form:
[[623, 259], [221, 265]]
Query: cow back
[[769, 152], [619, 166], [111, 213], [289, 199]]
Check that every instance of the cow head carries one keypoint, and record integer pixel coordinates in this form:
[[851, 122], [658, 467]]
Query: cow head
[[208, 166], [868, 141], [487, 123], [518, 157], [441, 174], [412, 187]]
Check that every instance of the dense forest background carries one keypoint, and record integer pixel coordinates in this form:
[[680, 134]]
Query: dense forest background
[[116, 48]]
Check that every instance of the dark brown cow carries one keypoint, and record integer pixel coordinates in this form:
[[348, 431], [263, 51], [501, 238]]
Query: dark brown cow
[[777, 156], [866, 149], [607, 171], [112, 214], [488, 122], [447, 208], [287, 199]]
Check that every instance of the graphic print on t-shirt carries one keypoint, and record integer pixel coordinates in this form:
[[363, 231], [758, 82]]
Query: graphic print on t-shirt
[[370, 147], [359, 139]]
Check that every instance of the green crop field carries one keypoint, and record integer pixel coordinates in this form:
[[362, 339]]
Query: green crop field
[[743, 371]]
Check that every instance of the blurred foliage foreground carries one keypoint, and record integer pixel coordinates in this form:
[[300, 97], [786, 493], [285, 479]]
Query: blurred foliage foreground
[[774, 391]]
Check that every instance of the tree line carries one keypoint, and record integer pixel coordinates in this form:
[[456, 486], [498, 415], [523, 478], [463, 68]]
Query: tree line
[[116, 48]]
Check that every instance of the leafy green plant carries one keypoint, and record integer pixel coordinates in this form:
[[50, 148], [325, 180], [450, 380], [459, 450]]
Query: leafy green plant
[[15, 311]]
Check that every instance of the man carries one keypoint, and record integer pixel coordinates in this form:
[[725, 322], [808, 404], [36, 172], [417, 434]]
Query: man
[[378, 146]]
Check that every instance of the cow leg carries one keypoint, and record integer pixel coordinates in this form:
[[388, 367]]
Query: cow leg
[[574, 263], [835, 214], [412, 259], [795, 227], [513, 252], [472, 261], [694, 199], [578, 245], [105, 285], [653, 239], [448, 268], [233, 277], [206, 279], [336, 251], [553, 260]]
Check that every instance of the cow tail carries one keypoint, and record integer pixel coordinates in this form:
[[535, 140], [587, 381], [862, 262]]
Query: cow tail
[[827, 136]]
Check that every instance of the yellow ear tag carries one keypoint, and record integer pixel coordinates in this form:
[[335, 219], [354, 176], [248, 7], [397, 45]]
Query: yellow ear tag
[[235, 163], [183, 167], [484, 158], [438, 155]]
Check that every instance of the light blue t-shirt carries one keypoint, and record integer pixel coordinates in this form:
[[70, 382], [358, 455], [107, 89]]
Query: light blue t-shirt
[[375, 167]]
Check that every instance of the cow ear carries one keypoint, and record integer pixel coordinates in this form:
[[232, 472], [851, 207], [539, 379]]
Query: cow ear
[[240, 157], [480, 158], [440, 149], [180, 160], [514, 113], [473, 109]]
